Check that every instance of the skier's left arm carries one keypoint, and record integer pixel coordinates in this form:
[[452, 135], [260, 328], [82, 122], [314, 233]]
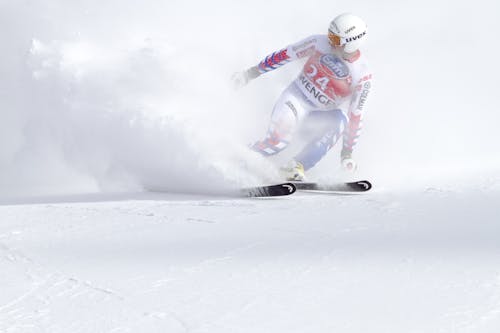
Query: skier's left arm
[[355, 120]]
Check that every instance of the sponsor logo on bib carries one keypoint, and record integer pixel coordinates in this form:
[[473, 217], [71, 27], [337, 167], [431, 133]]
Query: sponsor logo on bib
[[336, 65]]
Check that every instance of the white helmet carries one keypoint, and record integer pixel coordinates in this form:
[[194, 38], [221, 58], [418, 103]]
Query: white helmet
[[347, 30]]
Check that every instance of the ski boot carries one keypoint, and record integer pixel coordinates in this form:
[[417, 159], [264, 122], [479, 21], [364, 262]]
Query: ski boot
[[293, 171]]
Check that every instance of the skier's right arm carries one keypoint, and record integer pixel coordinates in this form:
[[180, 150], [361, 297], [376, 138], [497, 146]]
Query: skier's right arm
[[277, 59]]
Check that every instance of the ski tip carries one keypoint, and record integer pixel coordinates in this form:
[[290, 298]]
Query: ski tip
[[362, 185], [290, 187], [270, 190]]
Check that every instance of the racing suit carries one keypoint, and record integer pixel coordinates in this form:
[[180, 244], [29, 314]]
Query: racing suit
[[329, 95]]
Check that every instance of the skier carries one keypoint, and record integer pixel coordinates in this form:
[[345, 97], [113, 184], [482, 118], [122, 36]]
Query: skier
[[328, 96]]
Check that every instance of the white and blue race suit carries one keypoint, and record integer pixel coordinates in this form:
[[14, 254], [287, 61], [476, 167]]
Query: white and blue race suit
[[329, 95]]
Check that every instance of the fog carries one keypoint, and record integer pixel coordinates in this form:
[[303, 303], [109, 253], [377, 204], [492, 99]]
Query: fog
[[124, 96]]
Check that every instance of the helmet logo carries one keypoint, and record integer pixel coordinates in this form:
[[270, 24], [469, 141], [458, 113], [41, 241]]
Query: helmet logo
[[350, 29], [351, 39]]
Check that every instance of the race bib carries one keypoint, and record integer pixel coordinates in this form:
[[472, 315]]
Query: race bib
[[326, 78]]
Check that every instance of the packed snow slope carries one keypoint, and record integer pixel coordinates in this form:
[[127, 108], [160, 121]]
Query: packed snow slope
[[386, 262], [101, 101]]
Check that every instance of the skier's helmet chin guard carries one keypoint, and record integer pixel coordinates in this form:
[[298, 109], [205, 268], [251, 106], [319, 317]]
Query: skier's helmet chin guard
[[347, 31]]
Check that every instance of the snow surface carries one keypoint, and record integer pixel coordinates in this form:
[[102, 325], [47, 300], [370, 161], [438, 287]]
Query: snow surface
[[100, 101]]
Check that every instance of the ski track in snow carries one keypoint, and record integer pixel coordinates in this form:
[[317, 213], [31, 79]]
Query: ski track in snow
[[195, 264]]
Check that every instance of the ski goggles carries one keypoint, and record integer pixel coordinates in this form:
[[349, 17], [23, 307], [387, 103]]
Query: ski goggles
[[335, 40]]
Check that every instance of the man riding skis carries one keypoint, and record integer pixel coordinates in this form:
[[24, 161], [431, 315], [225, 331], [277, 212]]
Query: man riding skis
[[329, 95]]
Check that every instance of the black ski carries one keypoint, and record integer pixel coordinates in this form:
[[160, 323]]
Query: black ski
[[349, 187], [269, 190]]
